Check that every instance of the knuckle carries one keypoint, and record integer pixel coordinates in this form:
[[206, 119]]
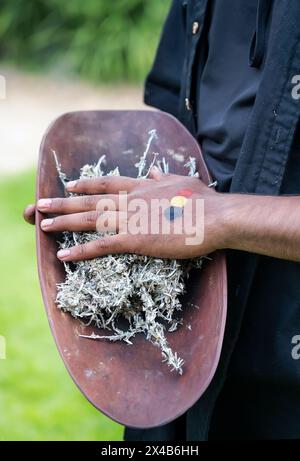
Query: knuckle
[[58, 203], [82, 250], [90, 217], [100, 184], [101, 244], [88, 202]]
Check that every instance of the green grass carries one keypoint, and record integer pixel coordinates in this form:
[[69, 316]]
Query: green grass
[[38, 400]]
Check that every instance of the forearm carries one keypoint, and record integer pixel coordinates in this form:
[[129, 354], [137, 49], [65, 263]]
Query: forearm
[[263, 224]]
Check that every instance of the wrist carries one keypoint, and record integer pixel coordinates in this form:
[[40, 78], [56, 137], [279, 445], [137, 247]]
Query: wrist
[[230, 215]]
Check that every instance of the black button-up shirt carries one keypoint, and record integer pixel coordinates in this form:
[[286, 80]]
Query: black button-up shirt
[[255, 391], [226, 85]]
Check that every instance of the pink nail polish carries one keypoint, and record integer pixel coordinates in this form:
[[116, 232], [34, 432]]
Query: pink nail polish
[[46, 223], [44, 203], [63, 253]]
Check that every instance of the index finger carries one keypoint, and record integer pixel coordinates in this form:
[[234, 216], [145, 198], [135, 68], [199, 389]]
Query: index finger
[[102, 185]]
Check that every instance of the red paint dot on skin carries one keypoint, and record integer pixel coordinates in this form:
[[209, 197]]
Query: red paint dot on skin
[[185, 192]]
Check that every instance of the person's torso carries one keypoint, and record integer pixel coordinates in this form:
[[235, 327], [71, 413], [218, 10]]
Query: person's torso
[[264, 371], [226, 84]]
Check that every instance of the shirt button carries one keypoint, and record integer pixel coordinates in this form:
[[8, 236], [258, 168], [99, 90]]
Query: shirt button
[[188, 104], [195, 27]]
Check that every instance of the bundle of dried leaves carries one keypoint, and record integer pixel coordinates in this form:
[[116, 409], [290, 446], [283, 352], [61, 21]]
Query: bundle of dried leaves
[[142, 290]]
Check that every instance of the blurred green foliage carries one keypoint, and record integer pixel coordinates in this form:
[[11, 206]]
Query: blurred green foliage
[[98, 39], [38, 400]]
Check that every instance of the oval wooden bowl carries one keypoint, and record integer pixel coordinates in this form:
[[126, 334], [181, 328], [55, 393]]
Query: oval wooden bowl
[[130, 384]]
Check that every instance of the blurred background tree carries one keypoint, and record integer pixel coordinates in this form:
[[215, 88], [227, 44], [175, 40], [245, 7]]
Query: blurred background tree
[[101, 40]]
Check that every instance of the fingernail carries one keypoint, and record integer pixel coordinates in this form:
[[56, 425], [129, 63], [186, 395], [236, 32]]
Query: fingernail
[[44, 203], [63, 253], [71, 184], [46, 223]]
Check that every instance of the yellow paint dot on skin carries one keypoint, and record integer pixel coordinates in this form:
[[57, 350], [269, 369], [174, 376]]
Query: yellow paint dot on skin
[[178, 200]]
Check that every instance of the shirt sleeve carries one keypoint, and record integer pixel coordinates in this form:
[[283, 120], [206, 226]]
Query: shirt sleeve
[[163, 83]]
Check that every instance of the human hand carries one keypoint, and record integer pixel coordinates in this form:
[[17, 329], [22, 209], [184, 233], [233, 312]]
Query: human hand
[[102, 209]]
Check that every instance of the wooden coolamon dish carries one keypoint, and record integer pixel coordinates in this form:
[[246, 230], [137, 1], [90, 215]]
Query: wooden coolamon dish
[[129, 383]]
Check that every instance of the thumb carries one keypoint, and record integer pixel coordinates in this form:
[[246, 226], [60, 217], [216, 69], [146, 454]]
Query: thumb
[[29, 214]]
